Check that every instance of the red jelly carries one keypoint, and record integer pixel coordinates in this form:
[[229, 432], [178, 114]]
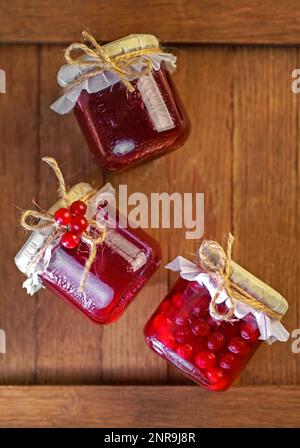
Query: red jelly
[[125, 127], [211, 352], [123, 264]]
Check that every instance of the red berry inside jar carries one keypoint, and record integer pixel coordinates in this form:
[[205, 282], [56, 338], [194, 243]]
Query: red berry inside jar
[[249, 331], [238, 346], [228, 361], [185, 351], [216, 341], [205, 359]]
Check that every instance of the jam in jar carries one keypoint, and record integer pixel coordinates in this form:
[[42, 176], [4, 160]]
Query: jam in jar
[[124, 262], [124, 127], [209, 351]]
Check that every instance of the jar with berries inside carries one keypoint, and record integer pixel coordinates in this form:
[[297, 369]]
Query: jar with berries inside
[[215, 318]]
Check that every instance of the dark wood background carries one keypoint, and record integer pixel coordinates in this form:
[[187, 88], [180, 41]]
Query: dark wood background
[[243, 153]]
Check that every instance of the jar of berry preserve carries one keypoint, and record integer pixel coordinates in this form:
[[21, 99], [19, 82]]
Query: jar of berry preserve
[[122, 263], [124, 99], [210, 329]]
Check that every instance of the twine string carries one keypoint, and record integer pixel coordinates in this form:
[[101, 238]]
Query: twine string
[[93, 242], [96, 60], [62, 191], [214, 259], [46, 221]]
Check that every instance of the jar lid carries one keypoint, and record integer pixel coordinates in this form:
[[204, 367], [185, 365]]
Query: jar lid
[[258, 289], [131, 43], [37, 239], [251, 284]]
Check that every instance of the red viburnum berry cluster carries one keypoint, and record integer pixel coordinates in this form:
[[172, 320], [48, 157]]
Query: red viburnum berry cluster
[[74, 221]]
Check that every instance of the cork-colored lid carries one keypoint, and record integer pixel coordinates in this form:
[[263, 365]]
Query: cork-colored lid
[[257, 288], [74, 193], [251, 284], [131, 43]]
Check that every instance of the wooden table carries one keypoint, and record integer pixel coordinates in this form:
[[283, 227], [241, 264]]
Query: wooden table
[[234, 75]]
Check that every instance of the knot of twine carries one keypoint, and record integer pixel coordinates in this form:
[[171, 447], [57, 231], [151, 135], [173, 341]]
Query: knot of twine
[[94, 235], [96, 58], [213, 259]]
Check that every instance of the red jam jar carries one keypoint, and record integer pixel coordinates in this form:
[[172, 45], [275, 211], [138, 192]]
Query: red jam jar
[[124, 127], [124, 262], [209, 351]]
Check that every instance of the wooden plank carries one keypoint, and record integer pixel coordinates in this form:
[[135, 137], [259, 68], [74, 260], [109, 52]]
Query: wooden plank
[[151, 406], [187, 21], [265, 190], [19, 184], [69, 345], [204, 164], [126, 358]]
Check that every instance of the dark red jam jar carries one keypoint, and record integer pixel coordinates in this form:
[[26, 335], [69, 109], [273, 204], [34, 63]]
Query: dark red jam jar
[[124, 127], [209, 351], [124, 262]]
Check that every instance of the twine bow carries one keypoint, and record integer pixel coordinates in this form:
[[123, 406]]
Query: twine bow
[[96, 60], [94, 235], [214, 259]]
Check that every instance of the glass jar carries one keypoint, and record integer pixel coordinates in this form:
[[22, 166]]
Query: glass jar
[[123, 127], [211, 352], [124, 262]]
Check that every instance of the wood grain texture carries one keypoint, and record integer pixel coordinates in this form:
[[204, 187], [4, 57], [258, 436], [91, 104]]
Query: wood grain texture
[[18, 184], [126, 357], [149, 407], [266, 188], [186, 21], [69, 345], [209, 103]]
